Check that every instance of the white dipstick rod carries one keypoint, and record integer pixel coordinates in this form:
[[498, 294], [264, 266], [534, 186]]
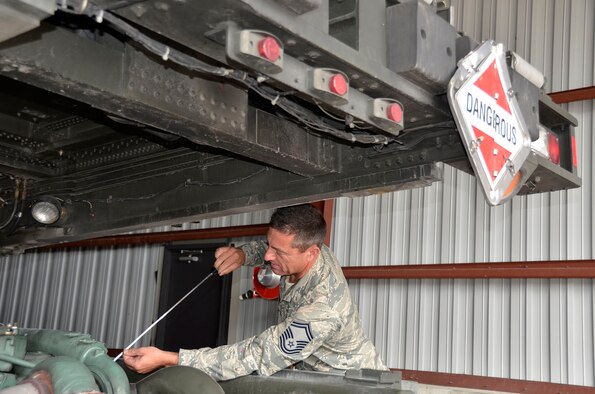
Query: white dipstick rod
[[165, 314]]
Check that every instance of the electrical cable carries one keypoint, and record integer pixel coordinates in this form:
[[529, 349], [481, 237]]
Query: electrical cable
[[421, 137], [18, 195], [275, 97], [231, 182], [180, 186]]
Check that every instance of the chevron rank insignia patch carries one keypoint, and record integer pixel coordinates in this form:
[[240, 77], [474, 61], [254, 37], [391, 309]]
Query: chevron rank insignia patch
[[295, 337]]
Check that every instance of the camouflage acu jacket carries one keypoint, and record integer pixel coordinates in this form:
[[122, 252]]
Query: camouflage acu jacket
[[319, 325]]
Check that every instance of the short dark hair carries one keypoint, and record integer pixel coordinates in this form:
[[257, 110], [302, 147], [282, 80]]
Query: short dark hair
[[304, 221]]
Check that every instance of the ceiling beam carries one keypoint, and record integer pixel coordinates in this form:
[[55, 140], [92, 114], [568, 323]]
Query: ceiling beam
[[572, 95], [528, 269], [165, 237], [490, 383]]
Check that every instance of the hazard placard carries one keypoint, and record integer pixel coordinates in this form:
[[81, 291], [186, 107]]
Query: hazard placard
[[490, 121]]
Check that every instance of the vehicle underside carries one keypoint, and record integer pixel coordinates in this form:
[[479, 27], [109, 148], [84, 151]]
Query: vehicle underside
[[126, 115]]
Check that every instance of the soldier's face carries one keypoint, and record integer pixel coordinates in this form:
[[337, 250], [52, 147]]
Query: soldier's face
[[287, 260]]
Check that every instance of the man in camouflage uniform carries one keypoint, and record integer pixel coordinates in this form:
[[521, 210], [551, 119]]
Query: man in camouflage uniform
[[319, 324]]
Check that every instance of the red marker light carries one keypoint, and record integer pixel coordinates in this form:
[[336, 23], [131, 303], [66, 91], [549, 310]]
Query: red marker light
[[394, 112], [553, 147], [269, 49], [338, 84]]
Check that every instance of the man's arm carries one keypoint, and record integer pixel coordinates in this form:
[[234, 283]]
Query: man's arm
[[146, 359], [278, 347], [229, 258]]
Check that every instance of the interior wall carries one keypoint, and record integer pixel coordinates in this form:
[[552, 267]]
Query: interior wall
[[534, 329]]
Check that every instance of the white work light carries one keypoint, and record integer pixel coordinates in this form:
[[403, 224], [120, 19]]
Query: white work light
[[46, 210]]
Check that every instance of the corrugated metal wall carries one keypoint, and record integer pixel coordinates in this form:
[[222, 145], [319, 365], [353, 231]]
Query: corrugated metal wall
[[525, 329], [108, 292]]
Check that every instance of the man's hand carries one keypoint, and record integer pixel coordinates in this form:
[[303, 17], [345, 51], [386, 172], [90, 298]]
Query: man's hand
[[146, 359], [228, 259]]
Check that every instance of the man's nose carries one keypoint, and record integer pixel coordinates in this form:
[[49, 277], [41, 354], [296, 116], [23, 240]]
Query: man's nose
[[269, 255]]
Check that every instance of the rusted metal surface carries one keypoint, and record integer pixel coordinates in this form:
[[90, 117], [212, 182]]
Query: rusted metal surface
[[572, 95], [167, 237], [531, 269], [327, 212], [489, 383], [326, 208]]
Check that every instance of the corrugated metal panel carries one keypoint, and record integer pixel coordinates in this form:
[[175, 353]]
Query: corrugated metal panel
[[254, 315], [109, 293], [526, 329]]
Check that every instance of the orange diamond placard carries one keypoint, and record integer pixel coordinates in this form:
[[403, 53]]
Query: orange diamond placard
[[489, 119]]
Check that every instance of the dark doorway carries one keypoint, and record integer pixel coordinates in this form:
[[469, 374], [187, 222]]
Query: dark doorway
[[202, 319]]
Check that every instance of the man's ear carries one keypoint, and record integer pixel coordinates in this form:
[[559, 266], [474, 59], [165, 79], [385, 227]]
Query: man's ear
[[313, 252]]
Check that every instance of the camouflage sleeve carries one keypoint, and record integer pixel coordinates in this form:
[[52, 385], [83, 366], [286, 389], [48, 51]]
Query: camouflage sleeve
[[278, 347], [254, 252]]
